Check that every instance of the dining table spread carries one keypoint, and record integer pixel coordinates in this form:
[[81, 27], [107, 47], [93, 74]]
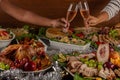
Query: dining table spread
[[50, 54]]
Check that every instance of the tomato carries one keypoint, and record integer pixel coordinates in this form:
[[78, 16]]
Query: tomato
[[5, 33], [98, 43], [81, 35]]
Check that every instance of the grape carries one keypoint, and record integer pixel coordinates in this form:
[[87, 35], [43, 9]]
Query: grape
[[7, 67], [100, 63], [90, 65], [109, 65], [2, 65], [87, 62], [94, 65], [86, 59], [100, 67], [92, 61], [82, 59]]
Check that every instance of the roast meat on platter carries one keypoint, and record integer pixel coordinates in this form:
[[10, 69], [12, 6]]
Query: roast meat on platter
[[28, 56]]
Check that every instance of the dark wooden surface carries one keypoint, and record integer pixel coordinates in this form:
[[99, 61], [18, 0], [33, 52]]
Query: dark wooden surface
[[55, 9]]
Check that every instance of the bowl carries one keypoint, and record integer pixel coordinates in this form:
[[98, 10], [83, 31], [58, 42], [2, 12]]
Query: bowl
[[4, 43]]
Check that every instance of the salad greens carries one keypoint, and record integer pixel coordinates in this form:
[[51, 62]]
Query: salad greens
[[78, 77], [29, 35], [42, 31], [26, 27], [116, 48], [113, 33], [61, 58], [32, 34]]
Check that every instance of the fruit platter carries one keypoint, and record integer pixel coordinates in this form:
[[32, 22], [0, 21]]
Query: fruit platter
[[29, 55], [103, 64]]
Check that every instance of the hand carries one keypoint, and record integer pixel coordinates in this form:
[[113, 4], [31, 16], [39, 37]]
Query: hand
[[92, 21], [60, 22]]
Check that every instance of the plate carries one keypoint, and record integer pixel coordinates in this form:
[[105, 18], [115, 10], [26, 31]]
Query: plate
[[64, 47], [39, 71]]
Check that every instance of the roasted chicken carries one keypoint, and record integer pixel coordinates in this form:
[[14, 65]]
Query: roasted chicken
[[29, 53]]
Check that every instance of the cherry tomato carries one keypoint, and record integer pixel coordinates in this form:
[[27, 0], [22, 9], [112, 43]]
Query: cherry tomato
[[98, 43], [81, 35]]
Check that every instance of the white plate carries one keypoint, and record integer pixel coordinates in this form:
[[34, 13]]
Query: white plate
[[64, 47], [39, 71]]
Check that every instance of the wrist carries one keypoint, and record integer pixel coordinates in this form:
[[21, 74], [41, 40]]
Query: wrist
[[52, 23], [99, 20], [103, 17]]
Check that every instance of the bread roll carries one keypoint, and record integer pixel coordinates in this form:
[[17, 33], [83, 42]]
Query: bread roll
[[54, 32]]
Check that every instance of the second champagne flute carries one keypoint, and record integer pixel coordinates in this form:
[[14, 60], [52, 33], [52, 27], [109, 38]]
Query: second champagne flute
[[84, 11], [71, 13]]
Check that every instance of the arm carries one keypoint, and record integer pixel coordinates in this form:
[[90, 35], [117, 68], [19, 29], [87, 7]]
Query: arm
[[112, 8], [27, 16], [106, 14], [102, 17]]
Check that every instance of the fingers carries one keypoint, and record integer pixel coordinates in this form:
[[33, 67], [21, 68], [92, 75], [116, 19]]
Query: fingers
[[92, 21], [62, 22]]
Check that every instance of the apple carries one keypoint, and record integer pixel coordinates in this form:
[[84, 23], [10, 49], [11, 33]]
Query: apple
[[30, 66]]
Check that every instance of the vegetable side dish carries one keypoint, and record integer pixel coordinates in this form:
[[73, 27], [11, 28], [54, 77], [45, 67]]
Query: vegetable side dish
[[4, 34]]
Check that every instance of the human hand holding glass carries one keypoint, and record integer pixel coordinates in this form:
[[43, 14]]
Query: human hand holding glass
[[71, 13]]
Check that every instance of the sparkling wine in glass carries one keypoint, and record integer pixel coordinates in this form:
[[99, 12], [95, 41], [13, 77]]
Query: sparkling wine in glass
[[71, 13], [84, 11]]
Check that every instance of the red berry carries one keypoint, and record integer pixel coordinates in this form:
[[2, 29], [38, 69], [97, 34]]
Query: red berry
[[30, 66]]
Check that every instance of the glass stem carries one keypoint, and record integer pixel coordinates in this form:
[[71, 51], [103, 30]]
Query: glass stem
[[86, 26], [85, 23], [65, 29]]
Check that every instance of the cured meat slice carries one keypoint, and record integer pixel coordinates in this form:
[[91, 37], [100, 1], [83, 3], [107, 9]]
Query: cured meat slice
[[103, 53]]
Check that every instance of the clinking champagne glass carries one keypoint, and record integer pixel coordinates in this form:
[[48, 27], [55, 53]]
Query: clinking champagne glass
[[85, 13], [71, 13]]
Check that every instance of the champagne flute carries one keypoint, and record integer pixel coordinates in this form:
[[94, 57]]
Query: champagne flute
[[71, 13], [84, 11]]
